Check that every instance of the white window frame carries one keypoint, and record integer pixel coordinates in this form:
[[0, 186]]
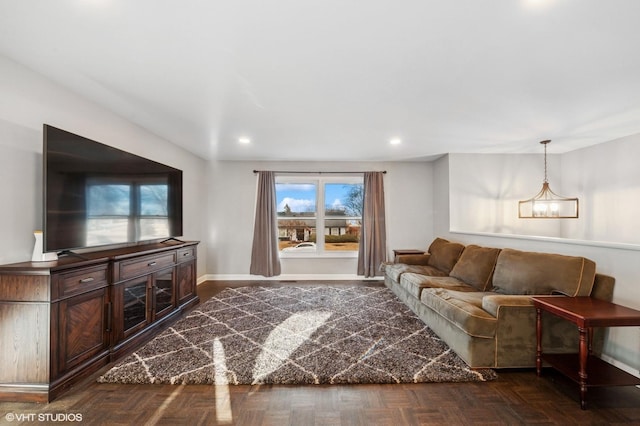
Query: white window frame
[[319, 181]]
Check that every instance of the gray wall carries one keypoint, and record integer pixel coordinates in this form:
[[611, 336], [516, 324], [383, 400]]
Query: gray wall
[[607, 177], [28, 100]]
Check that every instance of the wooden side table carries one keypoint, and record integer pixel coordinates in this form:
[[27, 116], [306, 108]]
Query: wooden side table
[[586, 313], [400, 252]]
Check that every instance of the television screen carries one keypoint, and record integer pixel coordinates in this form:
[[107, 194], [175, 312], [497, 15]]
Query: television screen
[[97, 195]]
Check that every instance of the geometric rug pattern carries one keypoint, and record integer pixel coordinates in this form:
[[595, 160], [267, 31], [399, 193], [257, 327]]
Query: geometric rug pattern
[[296, 335]]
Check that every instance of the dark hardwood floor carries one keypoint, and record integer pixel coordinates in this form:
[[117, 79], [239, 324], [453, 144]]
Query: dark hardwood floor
[[517, 397]]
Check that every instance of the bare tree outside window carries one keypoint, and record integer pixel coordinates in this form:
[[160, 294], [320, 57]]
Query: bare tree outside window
[[355, 200]]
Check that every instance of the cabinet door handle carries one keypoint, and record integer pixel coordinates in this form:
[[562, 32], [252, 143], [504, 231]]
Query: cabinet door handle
[[186, 254], [152, 263], [86, 280], [154, 294], [109, 316]]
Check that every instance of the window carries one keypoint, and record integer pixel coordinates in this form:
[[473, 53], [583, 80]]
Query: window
[[332, 229]]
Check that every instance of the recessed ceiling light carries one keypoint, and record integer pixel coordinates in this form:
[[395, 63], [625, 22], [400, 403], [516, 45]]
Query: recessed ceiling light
[[244, 140], [395, 141], [538, 4]]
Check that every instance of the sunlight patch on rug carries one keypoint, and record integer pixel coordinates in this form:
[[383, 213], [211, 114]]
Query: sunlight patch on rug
[[224, 415], [285, 339]]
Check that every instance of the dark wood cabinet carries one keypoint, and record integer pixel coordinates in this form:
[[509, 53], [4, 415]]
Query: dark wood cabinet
[[79, 332], [65, 319], [141, 304], [130, 307], [163, 290], [186, 277]]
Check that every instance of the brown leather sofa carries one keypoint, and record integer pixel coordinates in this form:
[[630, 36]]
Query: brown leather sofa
[[478, 299]]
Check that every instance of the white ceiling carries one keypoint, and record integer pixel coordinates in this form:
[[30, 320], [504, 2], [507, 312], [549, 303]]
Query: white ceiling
[[336, 79]]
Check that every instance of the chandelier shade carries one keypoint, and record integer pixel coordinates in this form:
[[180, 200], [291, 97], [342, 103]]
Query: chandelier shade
[[546, 204]]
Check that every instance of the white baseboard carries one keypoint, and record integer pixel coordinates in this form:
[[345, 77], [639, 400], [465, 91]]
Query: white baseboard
[[285, 277], [622, 366]]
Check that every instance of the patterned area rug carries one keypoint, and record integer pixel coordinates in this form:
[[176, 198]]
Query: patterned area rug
[[296, 335]]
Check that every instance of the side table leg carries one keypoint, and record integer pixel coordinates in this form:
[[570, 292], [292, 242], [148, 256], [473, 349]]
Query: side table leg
[[584, 352], [538, 342]]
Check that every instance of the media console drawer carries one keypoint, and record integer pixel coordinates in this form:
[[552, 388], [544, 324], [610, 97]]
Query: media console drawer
[[126, 269], [82, 280], [186, 254]]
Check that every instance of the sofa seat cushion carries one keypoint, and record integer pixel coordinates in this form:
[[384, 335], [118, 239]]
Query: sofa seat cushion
[[521, 272], [394, 270], [475, 266], [463, 310], [444, 254], [415, 283]]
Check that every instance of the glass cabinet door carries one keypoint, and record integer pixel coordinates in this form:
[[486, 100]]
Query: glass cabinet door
[[163, 291], [135, 303]]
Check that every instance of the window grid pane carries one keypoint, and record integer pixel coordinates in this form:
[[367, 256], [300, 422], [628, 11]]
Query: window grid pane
[[297, 219], [343, 216]]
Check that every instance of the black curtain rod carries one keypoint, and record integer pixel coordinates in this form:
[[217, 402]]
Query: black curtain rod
[[312, 173]]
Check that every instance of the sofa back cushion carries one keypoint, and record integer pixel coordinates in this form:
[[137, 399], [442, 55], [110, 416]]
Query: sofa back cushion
[[475, 266], [444, 254], [521, 272]]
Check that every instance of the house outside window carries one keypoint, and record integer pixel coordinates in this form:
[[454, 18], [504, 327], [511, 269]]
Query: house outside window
[[305, 229]]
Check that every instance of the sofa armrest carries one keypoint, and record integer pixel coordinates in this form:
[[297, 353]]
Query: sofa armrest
[[492, 303], [413, 259], [603, 287], [516, 331]]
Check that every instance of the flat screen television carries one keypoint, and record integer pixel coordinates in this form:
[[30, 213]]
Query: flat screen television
[[97, 195]]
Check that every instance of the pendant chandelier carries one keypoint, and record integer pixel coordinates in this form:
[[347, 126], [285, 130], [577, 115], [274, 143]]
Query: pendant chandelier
[[546, 204]]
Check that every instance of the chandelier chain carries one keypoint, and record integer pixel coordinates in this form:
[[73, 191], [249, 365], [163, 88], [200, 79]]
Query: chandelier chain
[[545, 159], [545, 163]]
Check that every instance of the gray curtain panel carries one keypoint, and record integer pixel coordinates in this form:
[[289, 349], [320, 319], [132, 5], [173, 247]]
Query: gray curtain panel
[[265, 260], [373, 238]]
